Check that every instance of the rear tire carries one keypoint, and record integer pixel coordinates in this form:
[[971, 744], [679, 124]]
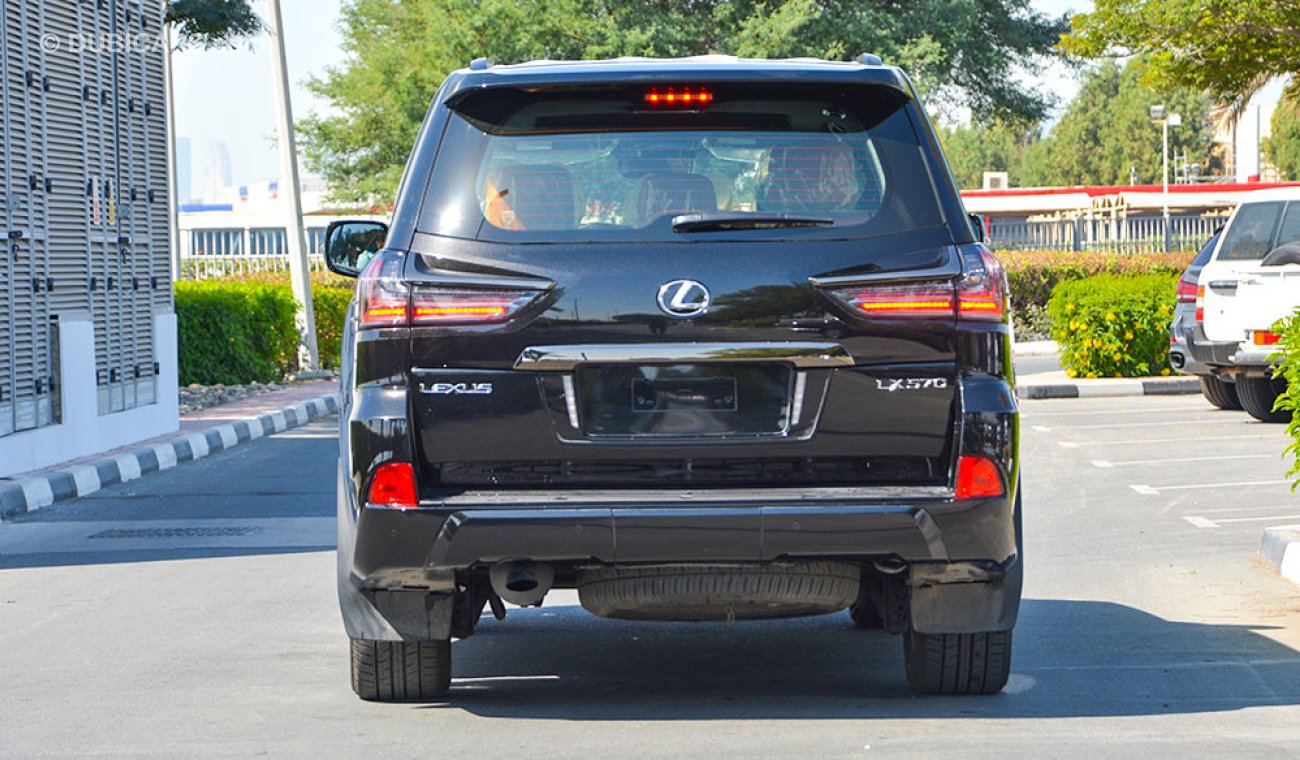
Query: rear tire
[[1257, 395], [957, 663], [401, 671], [1220, 393]]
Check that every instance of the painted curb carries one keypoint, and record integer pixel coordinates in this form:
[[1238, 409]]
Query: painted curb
[[1110, 388], [31, 494], [1035, 348], [1280, 547]]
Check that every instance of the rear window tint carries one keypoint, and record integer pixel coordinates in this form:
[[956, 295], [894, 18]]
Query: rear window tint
[[1250, 236], [579, 166]]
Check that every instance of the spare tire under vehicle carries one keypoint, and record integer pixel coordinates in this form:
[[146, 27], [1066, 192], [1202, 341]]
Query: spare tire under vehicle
[[718, 592]]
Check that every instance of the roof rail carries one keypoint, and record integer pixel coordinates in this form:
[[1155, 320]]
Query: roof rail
[[869, 59], [480, 64]]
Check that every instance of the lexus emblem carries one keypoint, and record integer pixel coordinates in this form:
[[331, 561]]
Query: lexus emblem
[[683, 298]]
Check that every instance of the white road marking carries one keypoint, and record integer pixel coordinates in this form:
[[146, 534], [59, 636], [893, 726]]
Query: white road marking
[[1201, 522], [1228, 510], [1145, 441], [1106, 464], [1149, 491], [1256, 519], [1041, 429]]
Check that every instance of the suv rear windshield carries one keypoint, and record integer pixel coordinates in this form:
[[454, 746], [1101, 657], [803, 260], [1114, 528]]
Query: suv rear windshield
[[1256, 230], [569, 164]]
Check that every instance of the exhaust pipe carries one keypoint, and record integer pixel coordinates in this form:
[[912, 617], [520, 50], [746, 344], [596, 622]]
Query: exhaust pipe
[[522, 583]]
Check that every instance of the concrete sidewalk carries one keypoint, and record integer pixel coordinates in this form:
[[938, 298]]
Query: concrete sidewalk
[[200, 434]]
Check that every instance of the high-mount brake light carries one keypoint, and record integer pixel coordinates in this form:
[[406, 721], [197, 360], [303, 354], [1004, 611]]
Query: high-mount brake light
[[394, 486], [672, 97], [978, 478], [1186, 291]]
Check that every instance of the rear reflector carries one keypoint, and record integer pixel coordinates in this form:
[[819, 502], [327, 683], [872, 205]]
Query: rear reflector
[[1186, 291], [1200, 304], [394, 486], [978, 478], [1265, 338]]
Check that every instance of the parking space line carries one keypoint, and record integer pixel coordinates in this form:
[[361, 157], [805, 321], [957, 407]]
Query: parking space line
[[1201, 522], [1105, 464], [1229, 510], [1161, 423], [1041, 429], [1145, 441], [1257, 519], [1146, 490]]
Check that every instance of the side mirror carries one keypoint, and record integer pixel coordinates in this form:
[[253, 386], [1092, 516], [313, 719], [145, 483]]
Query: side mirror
[[351, 244], [977, 224]]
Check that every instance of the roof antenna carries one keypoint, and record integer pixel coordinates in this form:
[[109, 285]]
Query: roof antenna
[[869, 59], [480, 64]]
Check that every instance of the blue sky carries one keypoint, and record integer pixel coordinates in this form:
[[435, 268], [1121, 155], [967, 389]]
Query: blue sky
[[227, 96]]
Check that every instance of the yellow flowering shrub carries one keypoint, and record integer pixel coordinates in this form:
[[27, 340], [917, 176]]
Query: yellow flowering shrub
[[1113, 325]]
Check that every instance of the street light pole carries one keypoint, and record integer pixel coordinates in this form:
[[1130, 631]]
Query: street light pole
[[1166, 120], [295, 242]]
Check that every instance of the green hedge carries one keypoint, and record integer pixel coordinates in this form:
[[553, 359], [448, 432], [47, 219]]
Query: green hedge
[[1114, 325], [1032, 275], [243, 330], [234, 333]]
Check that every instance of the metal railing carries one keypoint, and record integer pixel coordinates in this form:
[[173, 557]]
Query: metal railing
[[1139, 234], [211, 252]]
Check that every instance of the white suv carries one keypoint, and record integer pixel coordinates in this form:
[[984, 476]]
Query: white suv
[[1252, 281]]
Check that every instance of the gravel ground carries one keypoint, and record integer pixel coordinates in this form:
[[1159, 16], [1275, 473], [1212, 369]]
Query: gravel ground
[[195, 397]]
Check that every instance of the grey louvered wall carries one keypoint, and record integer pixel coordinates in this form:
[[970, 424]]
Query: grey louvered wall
[[84, 207]]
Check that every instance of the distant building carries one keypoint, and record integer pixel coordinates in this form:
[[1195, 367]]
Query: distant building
[[184, 169], [87, 326], [220, 171]]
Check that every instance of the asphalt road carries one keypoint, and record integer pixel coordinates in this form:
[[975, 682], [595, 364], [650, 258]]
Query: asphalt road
[[192, 613]]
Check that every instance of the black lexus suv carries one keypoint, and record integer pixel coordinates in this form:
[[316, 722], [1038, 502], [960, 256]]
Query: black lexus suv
[[705, 339]]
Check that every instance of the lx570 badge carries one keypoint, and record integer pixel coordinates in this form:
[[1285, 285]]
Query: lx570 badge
[[457, 389], [911, 383]]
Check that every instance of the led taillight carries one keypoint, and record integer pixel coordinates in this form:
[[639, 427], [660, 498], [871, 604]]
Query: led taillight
[[1200, 304], [982, 290], [445, 306], [1265, 338], [916, 301], [383, 298], [393, 485], [978, 478]]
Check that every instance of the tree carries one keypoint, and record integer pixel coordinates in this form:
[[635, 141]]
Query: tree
[[960, 52], [212, 23], [1106, 135], [1282, 148], [973, 149], [1230, 48]]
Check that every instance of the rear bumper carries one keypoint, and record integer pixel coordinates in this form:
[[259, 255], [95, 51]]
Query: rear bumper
[[684, 527], [1206, 351]]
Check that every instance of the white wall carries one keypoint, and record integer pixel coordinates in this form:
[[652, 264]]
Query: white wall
[[83, 431]]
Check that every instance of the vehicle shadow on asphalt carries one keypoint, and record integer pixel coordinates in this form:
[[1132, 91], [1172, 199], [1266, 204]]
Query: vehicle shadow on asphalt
[[1072, 659]]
